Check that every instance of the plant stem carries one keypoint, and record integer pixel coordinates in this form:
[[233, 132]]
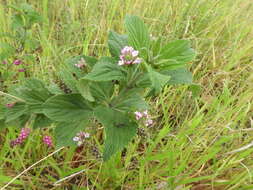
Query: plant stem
[[11, 96]]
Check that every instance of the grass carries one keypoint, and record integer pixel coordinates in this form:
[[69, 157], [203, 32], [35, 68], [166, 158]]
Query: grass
[[195, 143]]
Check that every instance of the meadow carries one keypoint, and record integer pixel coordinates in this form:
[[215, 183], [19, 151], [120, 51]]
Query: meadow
[[201, 142]]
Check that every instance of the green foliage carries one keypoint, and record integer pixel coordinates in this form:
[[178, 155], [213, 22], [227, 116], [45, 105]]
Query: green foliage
[[119, 129], [116, 42], [137, 32], [65, 131], [102, 89], [67, 108]]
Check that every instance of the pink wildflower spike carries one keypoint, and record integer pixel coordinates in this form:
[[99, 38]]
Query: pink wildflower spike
[[10, 105], [25, 132], [48, 141], [21, 70], [17, 62]]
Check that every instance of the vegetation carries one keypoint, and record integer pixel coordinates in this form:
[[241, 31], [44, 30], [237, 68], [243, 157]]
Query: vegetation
[[198, 141]]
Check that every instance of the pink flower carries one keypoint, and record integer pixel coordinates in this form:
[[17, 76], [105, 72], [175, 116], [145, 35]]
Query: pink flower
[[80, 138], [144, 115], [129, 56], [21, 70], [10, 105], [138, 115], [17, 62], [25, 132], [4, 62], [48, 141], [148, 122]]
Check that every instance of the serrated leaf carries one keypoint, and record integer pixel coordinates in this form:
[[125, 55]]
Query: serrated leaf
[[15, 112], [137, 32], [84, 88], [119, 129], [116, 42], [175, 54], [129, 101], [67, 77], [34, 93], [65, 132], [41, 121], [179, 76], [105, 70], [67, 108], [157, 79]]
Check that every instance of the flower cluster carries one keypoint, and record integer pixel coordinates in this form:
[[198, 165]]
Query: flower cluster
[[129, 56], [22, 136], [48, 141], [10, 105], [16, 62], [81, 64], [80, 137], [144, 115]]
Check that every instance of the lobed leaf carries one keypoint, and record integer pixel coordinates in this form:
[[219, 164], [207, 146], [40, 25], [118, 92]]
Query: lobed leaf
[[67, 108]]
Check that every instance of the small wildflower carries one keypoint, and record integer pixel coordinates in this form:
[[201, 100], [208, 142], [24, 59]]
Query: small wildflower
[[81, 64], [9, 105], [80, 137], [21, 70], [22, 136], [129, 56], [48, 141], [148, 122], [145, 115], [4, 62], [138, 115], [17, 62]]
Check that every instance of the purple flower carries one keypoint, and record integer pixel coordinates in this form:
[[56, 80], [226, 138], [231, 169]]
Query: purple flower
[[22, 136], [80, 138], [17, 62], [10, 105], [4, 62], [138, 115], [144, 115], [129, 56], [21, 70], [148, 122], [48, 141]]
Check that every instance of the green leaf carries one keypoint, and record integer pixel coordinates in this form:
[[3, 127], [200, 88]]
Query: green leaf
[[16, 111], [196, 90], [96, 90], [20, 121], [66, 131], [41, 121], [67, 77], [78, 73], [2, 111], [175, 54], [137, 32], [34, 93], [157, 79], [179, 76], [105, 70], [119, 130], [67, 108], [83, 87], [129, 101], [116, 42]]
